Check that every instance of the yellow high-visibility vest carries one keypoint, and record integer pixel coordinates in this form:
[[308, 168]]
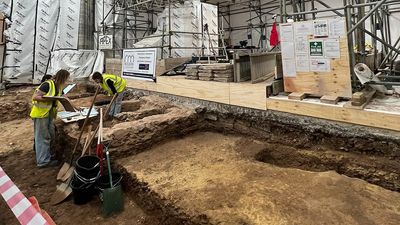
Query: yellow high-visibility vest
[[119, 83], [42, 109]]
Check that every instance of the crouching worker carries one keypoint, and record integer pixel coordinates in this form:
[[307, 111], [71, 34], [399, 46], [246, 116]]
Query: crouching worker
[[43, 112], [114, 85]]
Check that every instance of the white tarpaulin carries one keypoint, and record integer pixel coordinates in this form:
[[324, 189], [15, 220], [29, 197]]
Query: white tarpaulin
[[19, 61], [102, 9], [5, 7], [34, 28], [80, 63], [185, 19], [47, 12], [67, 32]]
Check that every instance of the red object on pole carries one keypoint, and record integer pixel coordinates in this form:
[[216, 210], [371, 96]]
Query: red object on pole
[[274, 38]]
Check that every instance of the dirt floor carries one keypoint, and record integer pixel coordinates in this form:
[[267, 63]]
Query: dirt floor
[[178, 172], [17, 158], [213, 178]]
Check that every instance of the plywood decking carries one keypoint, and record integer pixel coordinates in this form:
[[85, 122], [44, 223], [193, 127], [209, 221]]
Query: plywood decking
[[370, 117], [335, 83], [239, 94], [254, 96]]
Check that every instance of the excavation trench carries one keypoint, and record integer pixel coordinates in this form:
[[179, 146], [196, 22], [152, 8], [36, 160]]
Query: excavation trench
[[191, 164], [152, 136]]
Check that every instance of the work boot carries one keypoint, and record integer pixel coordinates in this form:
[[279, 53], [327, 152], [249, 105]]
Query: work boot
[[52, 163]]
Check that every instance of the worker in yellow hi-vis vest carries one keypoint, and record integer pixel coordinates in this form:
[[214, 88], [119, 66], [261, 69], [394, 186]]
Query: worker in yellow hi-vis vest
[[114, 85], [43, 112]]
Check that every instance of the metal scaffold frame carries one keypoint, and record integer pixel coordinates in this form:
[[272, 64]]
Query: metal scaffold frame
[[355, 12], [133, 13]]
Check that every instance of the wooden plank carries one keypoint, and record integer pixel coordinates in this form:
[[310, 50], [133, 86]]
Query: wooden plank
[[297, 96], [141, 84], [248, 95], [178, 85], [335, 113], [330, 99], [334, 83], [2, 38], [360, 99], [165, 65]]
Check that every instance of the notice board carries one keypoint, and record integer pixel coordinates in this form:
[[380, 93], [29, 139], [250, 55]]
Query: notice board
[[139, 63], [315, 57]]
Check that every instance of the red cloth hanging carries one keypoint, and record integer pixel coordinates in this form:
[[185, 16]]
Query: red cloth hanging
[[274, 38]]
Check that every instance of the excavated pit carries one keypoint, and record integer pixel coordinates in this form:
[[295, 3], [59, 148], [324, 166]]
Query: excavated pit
[[212, 178], [165, 149]]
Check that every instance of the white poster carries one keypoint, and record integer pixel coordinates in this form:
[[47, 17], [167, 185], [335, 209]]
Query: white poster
[[320, 65], [301, 45], [80, 63], [332, 48], [68, 25], [321, 28], [286, 32], [303, 29], [46, 25], [288, 50], [302, 63], [139, 64], [105, 42], [337, 28], [19, 62], [289, 68]]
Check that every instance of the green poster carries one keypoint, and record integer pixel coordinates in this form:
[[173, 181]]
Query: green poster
[[316, 48]]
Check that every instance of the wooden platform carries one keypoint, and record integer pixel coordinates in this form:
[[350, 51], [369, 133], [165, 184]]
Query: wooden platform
[[254, 96], [239, 94], [314, 108]]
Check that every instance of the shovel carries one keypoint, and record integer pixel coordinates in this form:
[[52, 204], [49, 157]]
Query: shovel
[[67, 169], [98, 126], [100, 146], [62, 192], [112, 197]]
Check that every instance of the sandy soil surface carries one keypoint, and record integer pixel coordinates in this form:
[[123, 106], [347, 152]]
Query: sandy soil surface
[[41, 183], [213, 178], [17, 158], [16, 135]]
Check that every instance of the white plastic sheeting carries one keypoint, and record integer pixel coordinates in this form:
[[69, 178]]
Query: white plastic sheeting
[[5, 7], [80, 63], [19, 59], [103, 8], [185, 18], [47, 11], [33, 31], [67, 34]]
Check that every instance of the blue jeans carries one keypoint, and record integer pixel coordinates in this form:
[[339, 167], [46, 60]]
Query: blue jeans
[[44, 133], [116, 106]]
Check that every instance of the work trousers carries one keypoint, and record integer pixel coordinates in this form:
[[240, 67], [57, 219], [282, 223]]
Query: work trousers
[[44, 132], [116, 106]]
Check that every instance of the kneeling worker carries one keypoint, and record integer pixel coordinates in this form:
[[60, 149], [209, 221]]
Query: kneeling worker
[[114, 85], [43, 112]]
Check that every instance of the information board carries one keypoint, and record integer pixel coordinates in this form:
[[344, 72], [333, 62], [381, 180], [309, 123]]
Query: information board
[[139, 64]]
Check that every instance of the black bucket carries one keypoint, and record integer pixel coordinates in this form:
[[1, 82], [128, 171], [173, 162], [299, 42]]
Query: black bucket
[[104, 182], [88, 166], [86, 173], [82, 192]]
